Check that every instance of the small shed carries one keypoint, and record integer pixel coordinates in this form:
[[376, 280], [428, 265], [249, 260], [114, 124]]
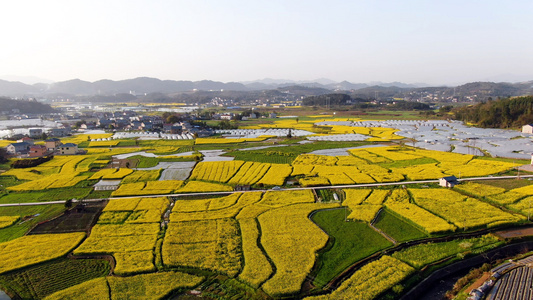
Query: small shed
[[528, 128], [449, 181], [242, 188], [107, 185]]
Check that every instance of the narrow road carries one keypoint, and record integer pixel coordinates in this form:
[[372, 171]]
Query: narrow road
[[300, 188]]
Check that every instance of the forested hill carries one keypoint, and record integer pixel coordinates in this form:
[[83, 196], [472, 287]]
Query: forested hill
[[503, 113], [25, 107]]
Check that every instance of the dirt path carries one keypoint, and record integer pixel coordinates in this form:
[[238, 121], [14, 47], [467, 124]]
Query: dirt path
[[388, 237], [478, 282], [371, 224]]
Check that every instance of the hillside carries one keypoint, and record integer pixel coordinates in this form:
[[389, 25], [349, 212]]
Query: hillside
[[504, 113], [145, 89], [25, 107]]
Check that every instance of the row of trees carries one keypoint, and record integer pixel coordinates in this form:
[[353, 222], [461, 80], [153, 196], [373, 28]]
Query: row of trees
[[25, 107], [327, 100], [30, 163], [3, 155], [503, 113]]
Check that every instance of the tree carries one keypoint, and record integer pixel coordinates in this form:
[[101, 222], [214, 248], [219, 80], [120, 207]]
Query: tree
[[44, 136], [3, 155], [166, 115], [172, 119], [226, 124], [79, 123], [68, 204]]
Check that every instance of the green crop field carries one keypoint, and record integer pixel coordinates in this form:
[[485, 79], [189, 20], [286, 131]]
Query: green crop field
[[264, 156], [397, 228], [46, 195], [505, 183], [352, 241], [30, 215], [42, 280], [420, 255]]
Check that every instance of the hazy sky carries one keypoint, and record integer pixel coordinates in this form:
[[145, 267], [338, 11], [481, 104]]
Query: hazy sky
[[436, 42]]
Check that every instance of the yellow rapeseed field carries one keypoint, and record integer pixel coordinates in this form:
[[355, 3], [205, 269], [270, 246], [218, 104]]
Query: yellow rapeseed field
[[371, 280], [200, 186], [32, 249], [256, 269], [144, 286], [276, 174], [249, 173], [283, 198], [219, 171], [462, 211], [6, 221], [204, 244], [288, 236]]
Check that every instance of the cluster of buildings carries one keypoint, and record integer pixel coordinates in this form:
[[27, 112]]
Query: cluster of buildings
[[131, 121], [26, 147], [277, 101], [123, 120], [36, 133], [243, 117], [436, 96]]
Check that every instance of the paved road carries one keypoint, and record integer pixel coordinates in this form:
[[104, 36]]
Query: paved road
[[301, 188]]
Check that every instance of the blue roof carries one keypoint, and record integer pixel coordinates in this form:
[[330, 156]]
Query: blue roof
[[20, 144]]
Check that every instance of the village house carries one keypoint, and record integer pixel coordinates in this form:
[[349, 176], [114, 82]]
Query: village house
[[38, 151], [59, 132], [449, 181], [35, 133], [105, 123], [26, 140], [52, 144], [68, 149], [18, 148], [227, 116], [87, 126]]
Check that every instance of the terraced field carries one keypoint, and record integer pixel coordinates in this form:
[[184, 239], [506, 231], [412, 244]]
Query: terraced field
[[259, 244]]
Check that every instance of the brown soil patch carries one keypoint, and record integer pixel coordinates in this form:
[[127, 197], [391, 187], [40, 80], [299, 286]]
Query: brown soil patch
[[527, 168], [478, 282], [515, 233]]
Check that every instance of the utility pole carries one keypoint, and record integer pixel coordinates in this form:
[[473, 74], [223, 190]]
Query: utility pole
[[346, 216]]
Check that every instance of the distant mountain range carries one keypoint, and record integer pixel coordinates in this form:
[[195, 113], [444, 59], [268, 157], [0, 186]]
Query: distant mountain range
[[146, 85]]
